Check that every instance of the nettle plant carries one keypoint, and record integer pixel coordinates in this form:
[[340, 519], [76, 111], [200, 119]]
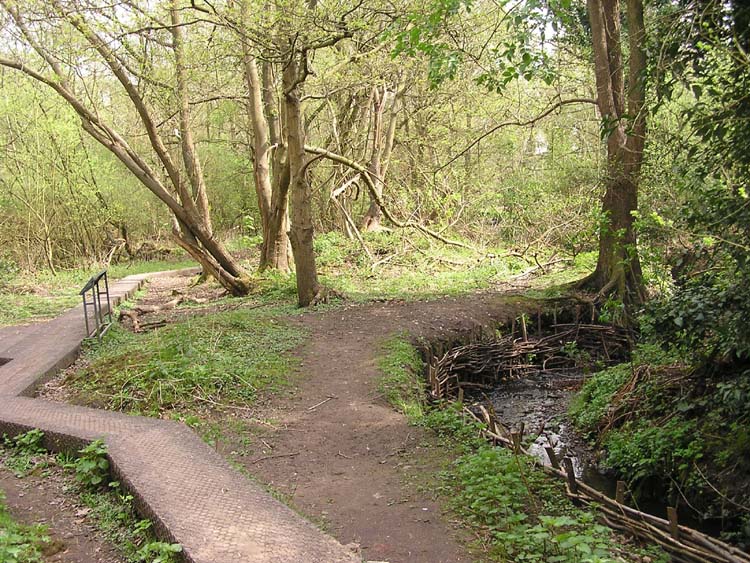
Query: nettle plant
[[92, 466]]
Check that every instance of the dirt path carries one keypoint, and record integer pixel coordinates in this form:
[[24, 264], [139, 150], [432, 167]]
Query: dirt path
[[43, 499], [356, 462]]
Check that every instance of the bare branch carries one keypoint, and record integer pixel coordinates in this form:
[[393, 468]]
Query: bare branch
[[516, 123]]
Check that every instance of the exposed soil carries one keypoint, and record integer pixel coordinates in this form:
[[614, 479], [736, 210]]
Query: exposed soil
[[42, 498]]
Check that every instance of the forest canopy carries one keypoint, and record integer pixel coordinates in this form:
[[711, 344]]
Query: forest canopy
[[551, 128]]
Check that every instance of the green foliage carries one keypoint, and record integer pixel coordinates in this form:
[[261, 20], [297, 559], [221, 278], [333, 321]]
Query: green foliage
[[92, 466], [454, 428], [25, 451], [18, 543], [706, 83], [111, 509], [592, 402], [518, 513], [411, 267], [113, 513], [648, 454], [678, 435], [30, 442], [402, 383], [159, 552], [211, 360], [524, 517]]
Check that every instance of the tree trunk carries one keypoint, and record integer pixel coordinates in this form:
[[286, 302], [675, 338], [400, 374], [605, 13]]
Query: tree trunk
[[272, 205], [279, 211], [272, 196], [382, 145], [301, 232], [618, 269]]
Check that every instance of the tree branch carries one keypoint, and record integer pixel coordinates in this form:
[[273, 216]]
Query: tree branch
[[367, 177], [517, 123]]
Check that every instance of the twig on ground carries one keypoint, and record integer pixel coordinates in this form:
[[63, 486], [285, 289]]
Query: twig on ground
[[266, 457], [323, 402]]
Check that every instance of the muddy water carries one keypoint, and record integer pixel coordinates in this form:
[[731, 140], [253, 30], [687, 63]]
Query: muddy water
[[540, 402]]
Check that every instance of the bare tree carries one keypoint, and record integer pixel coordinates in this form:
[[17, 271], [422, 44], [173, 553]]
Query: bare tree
[[384, 119], [111, 44]]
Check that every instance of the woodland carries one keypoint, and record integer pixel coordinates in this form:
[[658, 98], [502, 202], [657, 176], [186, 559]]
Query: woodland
[[322, 152]]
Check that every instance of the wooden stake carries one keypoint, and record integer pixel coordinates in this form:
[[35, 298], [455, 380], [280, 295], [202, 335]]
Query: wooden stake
[[674, 527], [552, 457], [620, 492], [539, 322], [570, 474], [461, 395], [523, 328], [516, 438]]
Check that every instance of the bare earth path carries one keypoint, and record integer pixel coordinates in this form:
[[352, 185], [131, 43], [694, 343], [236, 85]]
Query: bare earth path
[[43, 499], [354, 456], [193, 495]]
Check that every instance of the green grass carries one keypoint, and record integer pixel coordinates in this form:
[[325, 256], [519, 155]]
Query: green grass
[[26, 297], [402, 383], [407, 265], [19, 543], [198, 364]]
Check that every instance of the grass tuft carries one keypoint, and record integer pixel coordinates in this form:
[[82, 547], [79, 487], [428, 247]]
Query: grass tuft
[[219, 359], [402, 383]]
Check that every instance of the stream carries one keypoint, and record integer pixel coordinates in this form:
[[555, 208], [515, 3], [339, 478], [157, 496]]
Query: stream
[[540, 402]]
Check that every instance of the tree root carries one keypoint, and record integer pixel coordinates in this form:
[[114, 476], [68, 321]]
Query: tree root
[[325, 294]]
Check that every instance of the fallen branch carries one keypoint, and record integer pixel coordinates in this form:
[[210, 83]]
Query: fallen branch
[[265, 457], [323, 402]]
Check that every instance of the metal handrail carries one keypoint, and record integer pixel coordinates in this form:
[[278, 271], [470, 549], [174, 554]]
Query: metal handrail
[[93, 287]]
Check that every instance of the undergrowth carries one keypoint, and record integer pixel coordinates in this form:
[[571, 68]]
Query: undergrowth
[[676, 435], [109, 508], [202, 362], [407, 265], [516, 511], [20, 543]]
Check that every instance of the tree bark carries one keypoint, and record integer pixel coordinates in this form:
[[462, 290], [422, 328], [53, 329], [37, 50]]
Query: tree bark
[[301, 233], [618, 270], [271, 203], [382, 145]]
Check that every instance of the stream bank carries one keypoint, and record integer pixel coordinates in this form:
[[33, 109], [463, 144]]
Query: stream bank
[[521, 386]]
